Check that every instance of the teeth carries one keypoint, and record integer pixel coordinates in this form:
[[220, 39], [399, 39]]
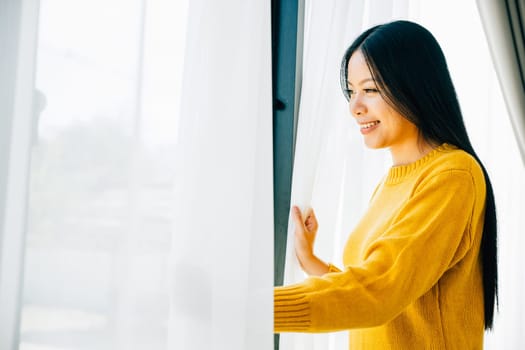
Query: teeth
[[369, 125]]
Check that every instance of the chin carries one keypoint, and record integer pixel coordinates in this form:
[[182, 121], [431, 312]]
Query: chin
[[372, 144]]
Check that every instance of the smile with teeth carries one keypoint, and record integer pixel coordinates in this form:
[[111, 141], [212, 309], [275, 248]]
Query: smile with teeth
[[369, 125]]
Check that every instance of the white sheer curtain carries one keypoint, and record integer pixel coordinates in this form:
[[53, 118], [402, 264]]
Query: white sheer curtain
[[222, 243], [18, 36], [100, 203], [136, 238], [335, 174]]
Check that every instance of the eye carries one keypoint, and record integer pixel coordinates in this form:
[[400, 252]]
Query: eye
[[349, 92], [371, 91]]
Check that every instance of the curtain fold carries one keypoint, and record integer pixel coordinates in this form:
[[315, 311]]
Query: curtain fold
[[222, 234], [18, 38], [504, 25]]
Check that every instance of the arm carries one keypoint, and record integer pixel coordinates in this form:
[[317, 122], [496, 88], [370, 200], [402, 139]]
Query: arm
[[423, 241]]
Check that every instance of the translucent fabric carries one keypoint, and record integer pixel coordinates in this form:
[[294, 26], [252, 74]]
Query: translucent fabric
[[149, 217], [221, 255]]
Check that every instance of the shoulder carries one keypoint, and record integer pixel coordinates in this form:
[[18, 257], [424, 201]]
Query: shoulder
[[453, 164], [450, 158]]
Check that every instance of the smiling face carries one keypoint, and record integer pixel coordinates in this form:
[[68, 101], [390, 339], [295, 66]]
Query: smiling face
[[381, 125]]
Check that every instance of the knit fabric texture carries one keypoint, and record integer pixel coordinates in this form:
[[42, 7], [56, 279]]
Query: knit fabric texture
[[412, 275]]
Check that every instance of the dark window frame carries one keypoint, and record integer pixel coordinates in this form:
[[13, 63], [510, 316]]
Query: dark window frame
[[287, 47]]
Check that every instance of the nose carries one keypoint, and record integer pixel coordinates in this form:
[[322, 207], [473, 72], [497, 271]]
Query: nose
[[357, 105]]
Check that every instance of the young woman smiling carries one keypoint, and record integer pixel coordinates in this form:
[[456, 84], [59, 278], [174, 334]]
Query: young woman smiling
[[420, 268]]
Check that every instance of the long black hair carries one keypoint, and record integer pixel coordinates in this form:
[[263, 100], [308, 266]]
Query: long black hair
[[411, 72]]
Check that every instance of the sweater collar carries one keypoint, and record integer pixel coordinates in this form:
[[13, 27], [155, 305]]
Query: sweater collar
[[399, 172]]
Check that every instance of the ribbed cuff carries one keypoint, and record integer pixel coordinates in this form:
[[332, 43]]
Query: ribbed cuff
[[291, 310]]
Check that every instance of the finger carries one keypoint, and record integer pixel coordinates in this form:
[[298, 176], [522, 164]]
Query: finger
[[297, 217]]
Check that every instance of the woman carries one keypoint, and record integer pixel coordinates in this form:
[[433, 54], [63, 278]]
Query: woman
[[420, 267]]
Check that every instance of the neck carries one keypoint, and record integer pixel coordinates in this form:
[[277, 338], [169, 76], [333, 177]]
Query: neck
[[409, 153]]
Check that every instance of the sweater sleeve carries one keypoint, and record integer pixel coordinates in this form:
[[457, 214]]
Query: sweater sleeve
[[429, 234]]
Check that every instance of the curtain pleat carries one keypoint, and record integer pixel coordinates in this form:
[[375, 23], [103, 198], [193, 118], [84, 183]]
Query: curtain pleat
[[222, 236], [504, 25]]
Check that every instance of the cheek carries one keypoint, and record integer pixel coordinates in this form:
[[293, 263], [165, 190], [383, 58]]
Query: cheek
[[395, 124], [405, 128], [394, 117], [382, 109]]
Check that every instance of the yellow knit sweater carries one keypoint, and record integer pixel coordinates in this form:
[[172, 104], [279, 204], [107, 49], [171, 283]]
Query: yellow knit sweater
[[412, 276]]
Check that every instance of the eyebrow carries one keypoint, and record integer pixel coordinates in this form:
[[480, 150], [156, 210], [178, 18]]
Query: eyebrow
[[362, 81]]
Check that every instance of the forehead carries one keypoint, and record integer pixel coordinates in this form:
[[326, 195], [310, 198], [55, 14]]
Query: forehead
[[358, 68]]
